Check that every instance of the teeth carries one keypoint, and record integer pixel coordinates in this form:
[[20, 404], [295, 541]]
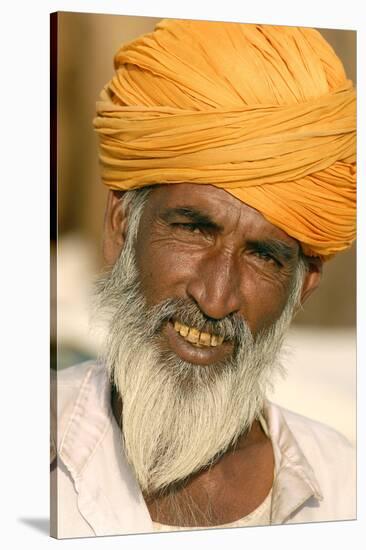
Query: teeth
[[183, 330], [216, 340], [194, 336], [205, 339]]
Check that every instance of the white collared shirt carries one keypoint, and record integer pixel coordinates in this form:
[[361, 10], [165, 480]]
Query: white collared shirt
[[94, 491]]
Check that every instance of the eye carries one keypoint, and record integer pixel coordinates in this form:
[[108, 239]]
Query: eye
[[263, 255], [266, 257], [189, 227]]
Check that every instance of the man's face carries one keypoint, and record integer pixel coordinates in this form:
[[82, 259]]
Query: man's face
[[201, 244], [197, 303]]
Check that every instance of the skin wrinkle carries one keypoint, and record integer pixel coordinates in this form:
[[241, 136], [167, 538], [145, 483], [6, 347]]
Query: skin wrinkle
[[178, 418], [219, 269]]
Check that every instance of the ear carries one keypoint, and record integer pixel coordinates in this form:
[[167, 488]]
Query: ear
[[115, 225], [312, 277]]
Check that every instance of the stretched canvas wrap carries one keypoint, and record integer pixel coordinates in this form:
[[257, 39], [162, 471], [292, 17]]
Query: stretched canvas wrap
[[200, 130]]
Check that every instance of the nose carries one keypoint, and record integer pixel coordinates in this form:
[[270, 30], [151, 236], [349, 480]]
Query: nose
[[215, 286]]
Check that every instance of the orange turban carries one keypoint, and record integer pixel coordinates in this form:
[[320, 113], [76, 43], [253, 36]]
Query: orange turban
[[264, 112]]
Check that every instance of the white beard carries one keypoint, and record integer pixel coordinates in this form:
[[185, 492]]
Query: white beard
[[178, 417]]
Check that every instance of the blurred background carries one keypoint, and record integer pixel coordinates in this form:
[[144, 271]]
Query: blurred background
[[320, 354]]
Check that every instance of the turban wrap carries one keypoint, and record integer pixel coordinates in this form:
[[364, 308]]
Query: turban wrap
[[264, 112]]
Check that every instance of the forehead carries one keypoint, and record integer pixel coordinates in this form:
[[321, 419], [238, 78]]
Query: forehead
[[221, 207]]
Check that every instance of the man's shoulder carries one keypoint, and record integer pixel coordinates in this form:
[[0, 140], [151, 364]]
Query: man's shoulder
[[314, 437], [313, 428], [322, 456]]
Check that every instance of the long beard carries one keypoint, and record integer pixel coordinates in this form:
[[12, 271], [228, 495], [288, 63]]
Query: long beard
[[179, 417]]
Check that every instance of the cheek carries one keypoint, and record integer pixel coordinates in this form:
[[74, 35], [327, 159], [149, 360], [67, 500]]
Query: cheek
[[263, 307], [265, 298], [164, 269]]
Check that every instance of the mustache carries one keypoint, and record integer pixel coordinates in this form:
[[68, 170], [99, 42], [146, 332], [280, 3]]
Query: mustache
[[185, 311]]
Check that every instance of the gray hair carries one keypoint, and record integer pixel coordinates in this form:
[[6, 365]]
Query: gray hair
[[133, 203]]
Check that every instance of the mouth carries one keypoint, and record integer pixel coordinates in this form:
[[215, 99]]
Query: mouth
[[195, 346], [197, 337]]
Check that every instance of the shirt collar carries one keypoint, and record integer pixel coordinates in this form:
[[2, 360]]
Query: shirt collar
[[89, 420], [295, 481]]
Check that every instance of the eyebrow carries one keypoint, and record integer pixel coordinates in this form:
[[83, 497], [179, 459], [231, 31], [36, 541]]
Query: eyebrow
[[191, 214]]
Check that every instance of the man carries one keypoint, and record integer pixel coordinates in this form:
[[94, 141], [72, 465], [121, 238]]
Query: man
[[229, 154]]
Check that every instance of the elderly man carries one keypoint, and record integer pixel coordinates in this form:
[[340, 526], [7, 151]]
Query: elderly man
[[229, 154]]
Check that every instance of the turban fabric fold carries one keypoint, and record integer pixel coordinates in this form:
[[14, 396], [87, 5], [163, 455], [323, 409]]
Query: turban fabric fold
[[264, 112]]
